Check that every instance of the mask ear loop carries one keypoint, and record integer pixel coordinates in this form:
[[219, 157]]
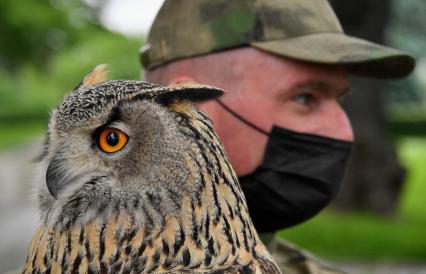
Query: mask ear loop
[[242, 119]]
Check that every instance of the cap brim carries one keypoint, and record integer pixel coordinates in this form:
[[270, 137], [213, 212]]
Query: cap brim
[[359, 56]]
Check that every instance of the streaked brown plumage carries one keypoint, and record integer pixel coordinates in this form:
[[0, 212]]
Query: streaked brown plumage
[[169, 202]]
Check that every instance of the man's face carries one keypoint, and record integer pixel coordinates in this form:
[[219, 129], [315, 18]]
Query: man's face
[[270, 90]]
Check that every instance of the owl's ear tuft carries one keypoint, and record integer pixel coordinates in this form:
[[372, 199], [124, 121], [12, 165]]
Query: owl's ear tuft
[[188, 92], [97, 75]]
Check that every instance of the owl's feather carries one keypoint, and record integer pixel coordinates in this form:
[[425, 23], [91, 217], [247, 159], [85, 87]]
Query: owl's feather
[[169, 203]]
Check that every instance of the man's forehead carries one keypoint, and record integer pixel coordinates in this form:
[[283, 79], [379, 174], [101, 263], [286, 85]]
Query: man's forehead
[[286, 74]]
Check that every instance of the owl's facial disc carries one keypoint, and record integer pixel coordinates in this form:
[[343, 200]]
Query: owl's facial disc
[[73, 167]]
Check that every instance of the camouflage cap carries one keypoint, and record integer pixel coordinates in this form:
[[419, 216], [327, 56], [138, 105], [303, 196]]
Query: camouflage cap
[[306, 30]]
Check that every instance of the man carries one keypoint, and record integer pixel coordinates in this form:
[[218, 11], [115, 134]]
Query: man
[[284, 66]]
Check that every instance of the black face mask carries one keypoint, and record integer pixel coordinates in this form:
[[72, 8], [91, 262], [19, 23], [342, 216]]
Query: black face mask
[[300, 175]]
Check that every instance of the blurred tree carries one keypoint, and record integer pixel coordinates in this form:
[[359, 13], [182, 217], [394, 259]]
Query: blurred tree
[[408, 26], [32, 31], [374, 176], [406, 99], [46, 48]]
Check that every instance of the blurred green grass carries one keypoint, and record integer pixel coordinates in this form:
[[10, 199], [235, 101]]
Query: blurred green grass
[[362, 236]]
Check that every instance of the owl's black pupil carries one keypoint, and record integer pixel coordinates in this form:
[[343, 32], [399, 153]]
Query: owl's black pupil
[[112, 139]]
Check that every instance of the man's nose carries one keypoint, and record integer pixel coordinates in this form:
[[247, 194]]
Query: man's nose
[[336, 123]]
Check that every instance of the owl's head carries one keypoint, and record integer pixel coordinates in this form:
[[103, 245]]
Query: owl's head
[[117, 143]]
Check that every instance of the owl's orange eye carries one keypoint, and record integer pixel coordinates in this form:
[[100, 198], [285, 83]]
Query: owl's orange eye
[[112, 140]]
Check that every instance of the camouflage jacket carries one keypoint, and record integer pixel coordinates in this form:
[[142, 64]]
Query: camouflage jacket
[[294, 260]]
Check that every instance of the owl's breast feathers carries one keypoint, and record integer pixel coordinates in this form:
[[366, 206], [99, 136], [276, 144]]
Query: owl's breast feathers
[[115, 247]]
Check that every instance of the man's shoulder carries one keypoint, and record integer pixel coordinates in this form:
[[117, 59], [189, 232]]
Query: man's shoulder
[[294, 260]]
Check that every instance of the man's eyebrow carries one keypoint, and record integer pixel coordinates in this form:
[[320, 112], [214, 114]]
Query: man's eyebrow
[[321, 86]]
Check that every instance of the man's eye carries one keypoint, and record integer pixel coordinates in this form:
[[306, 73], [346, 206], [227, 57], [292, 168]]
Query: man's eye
[[304, 99]]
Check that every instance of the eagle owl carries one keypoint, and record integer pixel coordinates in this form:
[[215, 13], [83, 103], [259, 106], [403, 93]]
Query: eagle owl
[[135, 180]]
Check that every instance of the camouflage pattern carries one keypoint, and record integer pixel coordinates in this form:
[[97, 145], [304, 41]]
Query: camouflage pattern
[[305, 30], [294, 260]]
